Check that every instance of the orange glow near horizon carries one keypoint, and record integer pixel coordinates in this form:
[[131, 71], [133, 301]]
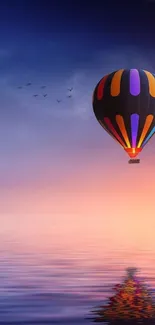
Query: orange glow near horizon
[[91, 208]]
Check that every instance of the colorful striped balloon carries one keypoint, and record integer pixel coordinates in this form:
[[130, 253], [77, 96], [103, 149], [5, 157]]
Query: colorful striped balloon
[[124, 104]]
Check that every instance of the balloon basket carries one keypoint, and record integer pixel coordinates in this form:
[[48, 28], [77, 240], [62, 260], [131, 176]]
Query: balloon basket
[[134, 161]]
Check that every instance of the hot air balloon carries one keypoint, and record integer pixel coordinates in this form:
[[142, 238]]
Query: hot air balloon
[[124, 105]]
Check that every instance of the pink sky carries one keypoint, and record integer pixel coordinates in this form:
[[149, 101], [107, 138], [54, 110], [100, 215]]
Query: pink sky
[[101, 201]]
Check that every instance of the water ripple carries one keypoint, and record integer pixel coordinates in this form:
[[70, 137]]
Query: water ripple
[[50, 289]]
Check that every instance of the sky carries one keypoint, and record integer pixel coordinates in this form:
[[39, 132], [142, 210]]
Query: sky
[[63, 180]]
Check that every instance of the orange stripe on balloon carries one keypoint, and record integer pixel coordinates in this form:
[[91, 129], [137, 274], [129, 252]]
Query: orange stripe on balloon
[[151, 81], [100, 89], [116, 83], [147, 125], [116, 135], [109, 132], [120, 122]]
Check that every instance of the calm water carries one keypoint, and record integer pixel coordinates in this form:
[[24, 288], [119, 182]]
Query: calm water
[[62, 286]]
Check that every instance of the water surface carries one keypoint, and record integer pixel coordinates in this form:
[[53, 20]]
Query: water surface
[[58, 286]]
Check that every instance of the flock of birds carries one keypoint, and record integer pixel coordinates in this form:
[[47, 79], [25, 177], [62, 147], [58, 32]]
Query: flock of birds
[[45, 95]]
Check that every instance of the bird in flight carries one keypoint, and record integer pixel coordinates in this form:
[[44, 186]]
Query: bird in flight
[[28, 84], [58, 100], [35, 95], [45, 95], [69, 96], [42, 87], [20, 87], [70, 89]]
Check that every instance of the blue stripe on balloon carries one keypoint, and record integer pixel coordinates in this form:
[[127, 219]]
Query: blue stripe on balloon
[[148, 137], [134, 82], [134, 128]]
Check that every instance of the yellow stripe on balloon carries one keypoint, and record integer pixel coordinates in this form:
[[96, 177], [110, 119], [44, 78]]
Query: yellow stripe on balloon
[[147, 125], [116, 83], [151, 81], [120, 122]]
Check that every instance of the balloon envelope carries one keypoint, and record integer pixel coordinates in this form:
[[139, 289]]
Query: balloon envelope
[[124, 105]]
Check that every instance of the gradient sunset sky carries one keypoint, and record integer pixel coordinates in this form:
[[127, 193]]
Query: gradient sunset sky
[[63, 180]]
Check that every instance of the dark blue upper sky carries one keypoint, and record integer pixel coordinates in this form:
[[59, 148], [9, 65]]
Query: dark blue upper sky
[[76, 24], [76, 20], [72, 29]]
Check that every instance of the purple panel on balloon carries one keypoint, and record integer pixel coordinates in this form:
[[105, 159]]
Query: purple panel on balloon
[[134, 128], [134, 82]]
